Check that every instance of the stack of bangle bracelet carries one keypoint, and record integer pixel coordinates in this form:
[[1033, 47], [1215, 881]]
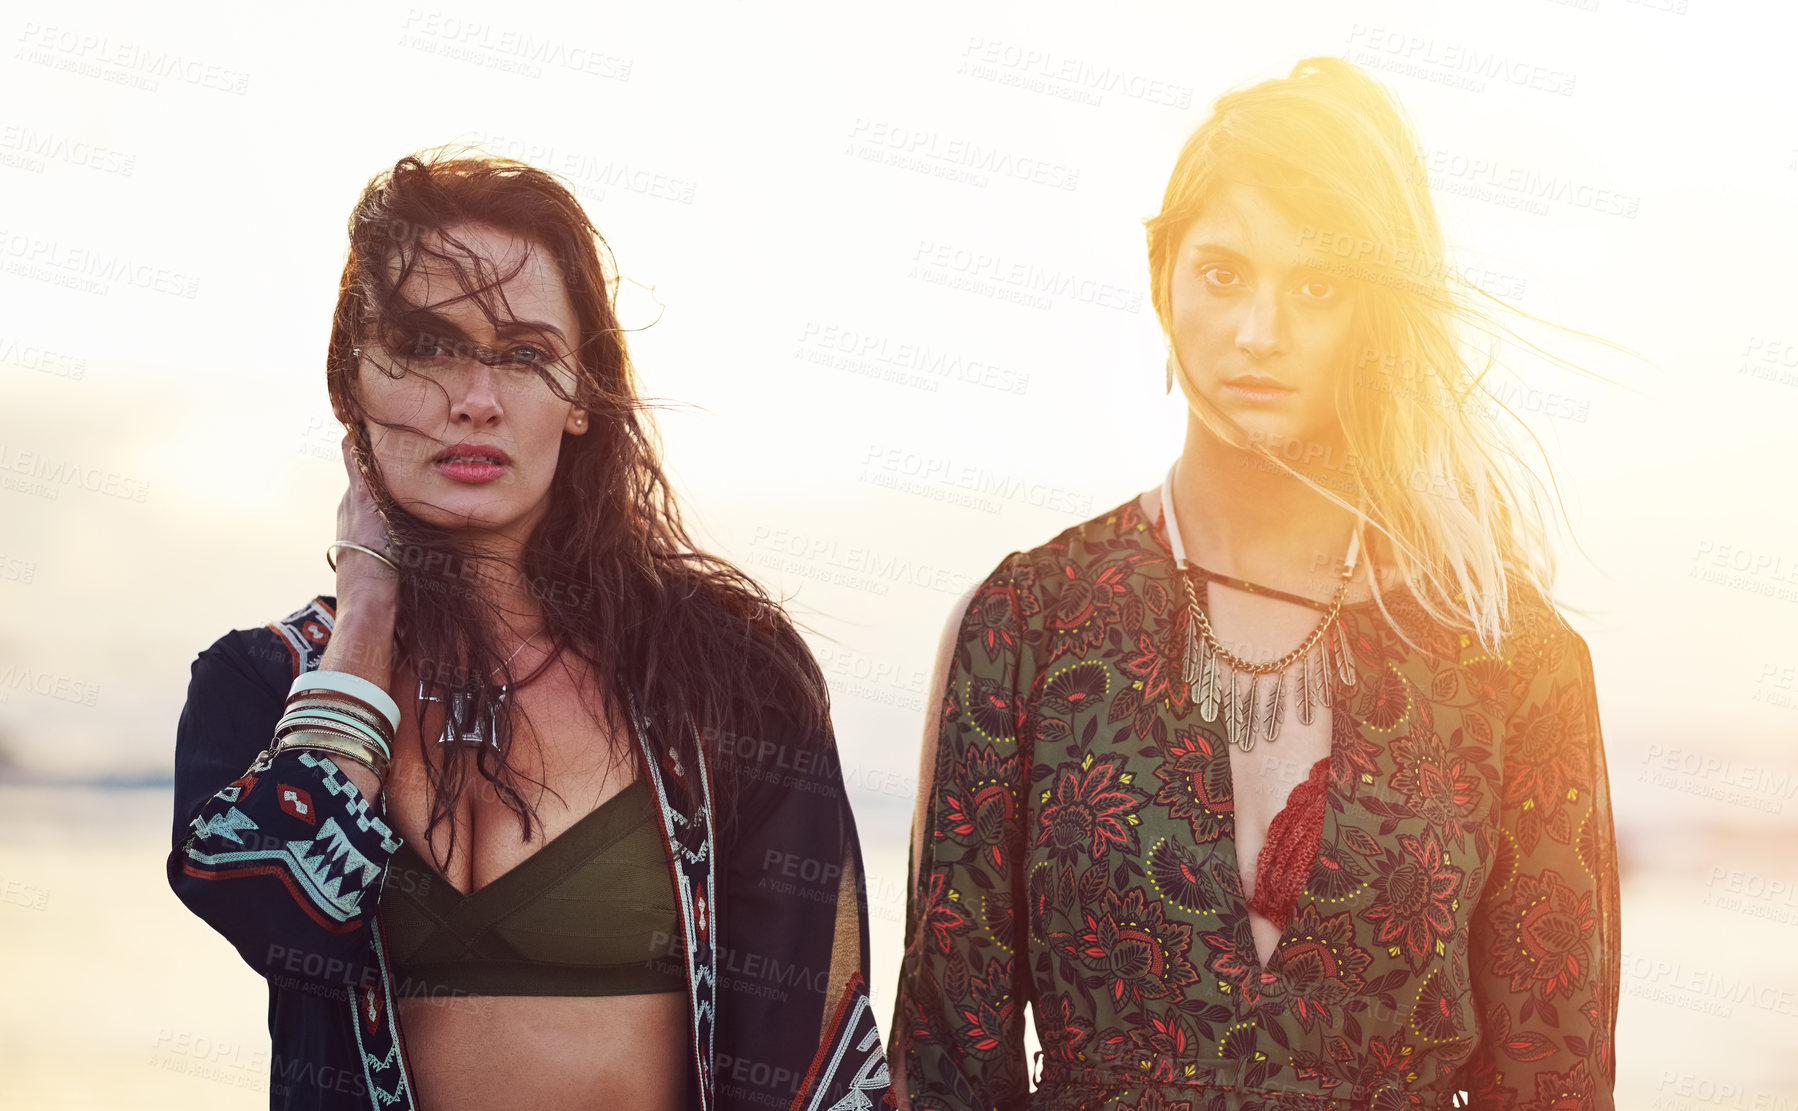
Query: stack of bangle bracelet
[[341, 714]]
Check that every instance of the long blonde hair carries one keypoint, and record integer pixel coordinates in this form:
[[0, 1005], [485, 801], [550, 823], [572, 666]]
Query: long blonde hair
[[1460, 514]]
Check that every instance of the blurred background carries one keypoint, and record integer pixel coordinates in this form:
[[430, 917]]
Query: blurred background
[[825, 212]]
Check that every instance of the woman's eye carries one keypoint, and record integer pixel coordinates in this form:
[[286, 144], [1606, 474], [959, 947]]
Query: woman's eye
[[426, 347], [1317, 289], [1220, 276], [525, 355]]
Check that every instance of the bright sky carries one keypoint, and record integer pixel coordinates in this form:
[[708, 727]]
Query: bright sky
[[175, 188]]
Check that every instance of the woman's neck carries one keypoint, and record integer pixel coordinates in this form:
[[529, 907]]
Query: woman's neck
[[1242, 515], [512, 612]]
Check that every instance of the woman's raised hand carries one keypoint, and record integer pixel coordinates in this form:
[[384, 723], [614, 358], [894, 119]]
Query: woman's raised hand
[[367, 598], [360, 576]]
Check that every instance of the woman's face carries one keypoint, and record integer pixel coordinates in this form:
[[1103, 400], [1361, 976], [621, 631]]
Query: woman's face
[[1259, 333], [489, 434]]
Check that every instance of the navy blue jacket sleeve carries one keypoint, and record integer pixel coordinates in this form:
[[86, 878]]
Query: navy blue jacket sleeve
[[795, 1029], [282, 856]]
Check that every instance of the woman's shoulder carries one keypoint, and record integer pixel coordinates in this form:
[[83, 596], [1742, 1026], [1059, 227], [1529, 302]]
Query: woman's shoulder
[[1026, 582], [1117, 534], [1541, 646]]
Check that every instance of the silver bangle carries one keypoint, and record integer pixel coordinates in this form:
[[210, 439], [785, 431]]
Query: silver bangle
[[344, 682], [332, 563], [308, 716]]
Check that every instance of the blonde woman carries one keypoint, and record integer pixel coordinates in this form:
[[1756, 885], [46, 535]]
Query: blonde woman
[[1279, 785]]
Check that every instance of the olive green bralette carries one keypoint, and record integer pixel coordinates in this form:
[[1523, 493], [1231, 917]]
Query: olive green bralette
[[590, 913]]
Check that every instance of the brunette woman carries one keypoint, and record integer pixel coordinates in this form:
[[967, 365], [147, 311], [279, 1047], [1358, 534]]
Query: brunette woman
[[1280, 784], [542, 807]]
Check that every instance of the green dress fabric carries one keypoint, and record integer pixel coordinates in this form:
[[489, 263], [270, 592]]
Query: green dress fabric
[[1458, 931]]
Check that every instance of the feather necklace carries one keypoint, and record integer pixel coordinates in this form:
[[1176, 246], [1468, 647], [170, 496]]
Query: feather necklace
[[1250, 696]]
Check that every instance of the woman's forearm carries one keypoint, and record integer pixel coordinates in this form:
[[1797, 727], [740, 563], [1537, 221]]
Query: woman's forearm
[[362, 645]]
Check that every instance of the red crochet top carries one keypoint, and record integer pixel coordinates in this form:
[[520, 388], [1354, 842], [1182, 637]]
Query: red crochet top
[[1284, 864]]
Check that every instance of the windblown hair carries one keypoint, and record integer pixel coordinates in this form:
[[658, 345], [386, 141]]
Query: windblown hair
[[1453, 510], [688, 636]]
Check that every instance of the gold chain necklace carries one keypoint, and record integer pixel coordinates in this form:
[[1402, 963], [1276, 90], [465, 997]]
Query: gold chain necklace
[[1216, 673]]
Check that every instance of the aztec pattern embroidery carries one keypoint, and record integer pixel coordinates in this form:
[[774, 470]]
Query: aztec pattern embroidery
[[305, 632], [386, 1074], [384, 1067], [322, 868], [837, 1082], [684, 796]]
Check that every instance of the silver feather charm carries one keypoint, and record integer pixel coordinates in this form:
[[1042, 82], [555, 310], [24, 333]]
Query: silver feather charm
[[1273, 707], [1344, 668], [1208, 682], [1310, 687], [1245, 722], [1231, 709]]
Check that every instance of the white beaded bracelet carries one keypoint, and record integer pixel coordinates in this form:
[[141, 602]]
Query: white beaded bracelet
[[355, 686]]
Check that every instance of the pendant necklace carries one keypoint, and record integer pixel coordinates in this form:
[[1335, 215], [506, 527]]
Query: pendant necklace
[[1251, 696], [484, 730]]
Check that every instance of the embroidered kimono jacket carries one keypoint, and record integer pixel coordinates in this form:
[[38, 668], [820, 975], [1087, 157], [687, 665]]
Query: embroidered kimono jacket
[[286, 859], [1458, 930]]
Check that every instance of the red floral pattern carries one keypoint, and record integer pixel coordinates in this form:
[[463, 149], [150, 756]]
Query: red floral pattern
[[1093, 809], [1458, 929]]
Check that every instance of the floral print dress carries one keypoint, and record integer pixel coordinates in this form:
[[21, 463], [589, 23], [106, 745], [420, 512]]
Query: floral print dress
[[1458, 931]]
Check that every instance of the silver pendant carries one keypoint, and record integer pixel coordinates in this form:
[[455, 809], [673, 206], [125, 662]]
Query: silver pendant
[[1345, 668], [484, 730], [1208, 681], [1274, 708], [1310, 686]]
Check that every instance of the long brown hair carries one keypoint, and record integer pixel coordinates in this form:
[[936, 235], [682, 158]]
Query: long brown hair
[[686, 634]]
